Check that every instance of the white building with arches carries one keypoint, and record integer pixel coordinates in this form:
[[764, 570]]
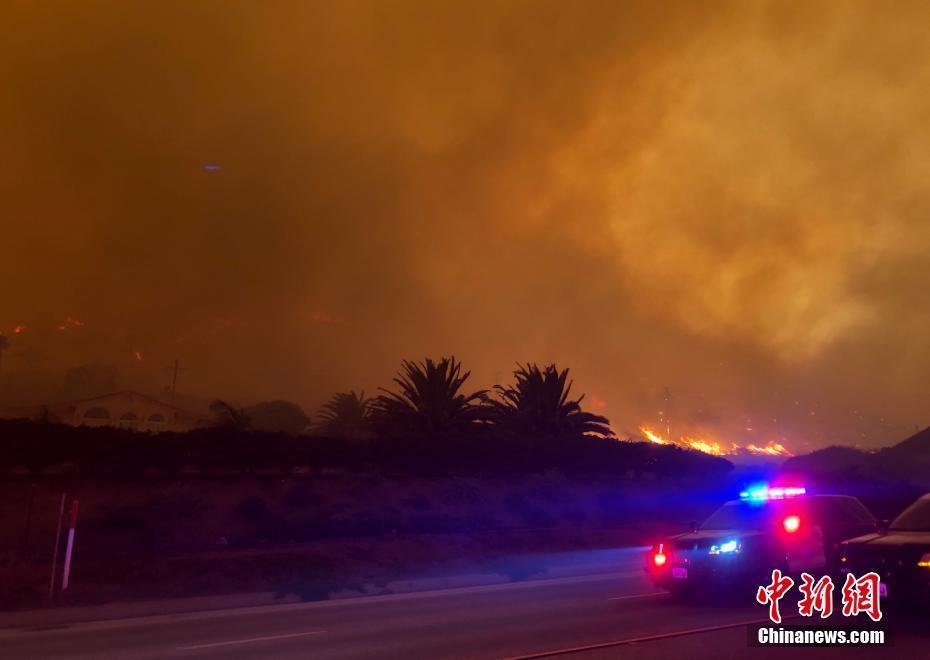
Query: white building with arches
[[131, 410]]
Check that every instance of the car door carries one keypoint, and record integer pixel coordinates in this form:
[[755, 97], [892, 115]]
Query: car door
[[843, 517], [800, 525]]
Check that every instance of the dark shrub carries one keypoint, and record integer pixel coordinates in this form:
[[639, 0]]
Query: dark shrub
[[124, 519], [417, 502], [359, 553], [480, 521], [515, 502], [531, 514], [461, 493], [177, 506], [253, 509], [575, 515], [362, 523], [611, 500], [301, 498], [431, 524]]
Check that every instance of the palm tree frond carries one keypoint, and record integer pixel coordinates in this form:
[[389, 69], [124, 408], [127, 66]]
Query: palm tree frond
[[428, 398], [347, 415], [539, 403]]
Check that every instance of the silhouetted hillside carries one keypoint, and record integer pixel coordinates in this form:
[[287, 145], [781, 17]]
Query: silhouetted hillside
[[829, 463], [886, 480], [908, 462], [31, 448], [918, 445]]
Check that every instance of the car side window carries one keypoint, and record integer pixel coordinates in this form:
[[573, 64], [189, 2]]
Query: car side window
[[855, 511], [824, 511]]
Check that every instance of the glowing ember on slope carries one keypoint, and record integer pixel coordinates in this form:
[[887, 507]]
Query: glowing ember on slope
[[138, 355], [71, 323], [20, 329]]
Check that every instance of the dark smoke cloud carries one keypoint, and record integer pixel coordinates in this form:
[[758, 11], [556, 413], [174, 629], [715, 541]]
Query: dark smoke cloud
[[723, 200]]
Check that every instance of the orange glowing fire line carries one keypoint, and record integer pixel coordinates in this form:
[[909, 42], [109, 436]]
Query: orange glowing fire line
[[652, 436], [715, 448], [771, 449]]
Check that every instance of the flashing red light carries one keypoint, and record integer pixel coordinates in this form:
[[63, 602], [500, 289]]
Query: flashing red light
[[791, 524], [659, 559]]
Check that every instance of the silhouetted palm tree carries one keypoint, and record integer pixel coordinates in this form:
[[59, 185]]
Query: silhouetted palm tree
[[538, 404], [230, 416], [346, 415], [429, 399]]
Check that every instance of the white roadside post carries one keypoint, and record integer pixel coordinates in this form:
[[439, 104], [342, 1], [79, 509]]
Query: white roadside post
[[70, 547], [61, 515]]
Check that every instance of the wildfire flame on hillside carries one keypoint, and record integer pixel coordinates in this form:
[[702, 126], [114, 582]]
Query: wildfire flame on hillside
[[771, 449], [709, 446], [652, 436]]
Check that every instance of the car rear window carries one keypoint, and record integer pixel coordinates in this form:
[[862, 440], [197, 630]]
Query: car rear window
[[738, 515], [853, 510], [916, 517], [839, 510]]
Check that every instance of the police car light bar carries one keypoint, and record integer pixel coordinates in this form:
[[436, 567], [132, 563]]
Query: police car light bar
[[724, 548], [760, 494]]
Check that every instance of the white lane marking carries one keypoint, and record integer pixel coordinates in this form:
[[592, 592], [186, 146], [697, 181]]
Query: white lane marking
[[636, 640], [250, 640], [646, 595]]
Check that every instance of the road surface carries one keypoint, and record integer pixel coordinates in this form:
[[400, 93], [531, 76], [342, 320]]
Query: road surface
[[619, 615]]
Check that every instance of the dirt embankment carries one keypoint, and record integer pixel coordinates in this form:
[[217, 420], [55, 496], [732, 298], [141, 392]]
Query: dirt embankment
[[314, 536]]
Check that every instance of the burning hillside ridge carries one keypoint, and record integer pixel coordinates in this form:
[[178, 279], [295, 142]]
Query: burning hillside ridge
[[715, 448]]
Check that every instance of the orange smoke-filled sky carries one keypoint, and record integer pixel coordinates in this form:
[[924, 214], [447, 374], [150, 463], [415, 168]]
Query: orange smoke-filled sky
[[727, 200]]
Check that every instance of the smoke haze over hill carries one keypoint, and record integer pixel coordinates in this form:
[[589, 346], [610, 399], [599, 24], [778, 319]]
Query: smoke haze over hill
[[292, 197]]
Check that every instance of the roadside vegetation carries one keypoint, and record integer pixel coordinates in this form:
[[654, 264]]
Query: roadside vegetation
[[429, 423]]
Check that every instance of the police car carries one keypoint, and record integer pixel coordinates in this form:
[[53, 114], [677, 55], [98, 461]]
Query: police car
[[899, 554], [744, 540]]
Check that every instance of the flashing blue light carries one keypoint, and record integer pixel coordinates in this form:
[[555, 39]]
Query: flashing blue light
[[724, 548], [764, 493], [755, 494]]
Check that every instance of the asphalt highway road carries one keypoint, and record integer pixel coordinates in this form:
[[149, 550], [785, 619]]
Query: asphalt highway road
[[616, 615]]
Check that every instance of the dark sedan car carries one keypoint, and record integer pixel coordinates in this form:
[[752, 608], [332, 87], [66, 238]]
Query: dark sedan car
[[744, 540], [900, 555]]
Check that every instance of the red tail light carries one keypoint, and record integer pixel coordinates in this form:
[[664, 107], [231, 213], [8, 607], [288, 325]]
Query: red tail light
[[791, 524], [659, 558]]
